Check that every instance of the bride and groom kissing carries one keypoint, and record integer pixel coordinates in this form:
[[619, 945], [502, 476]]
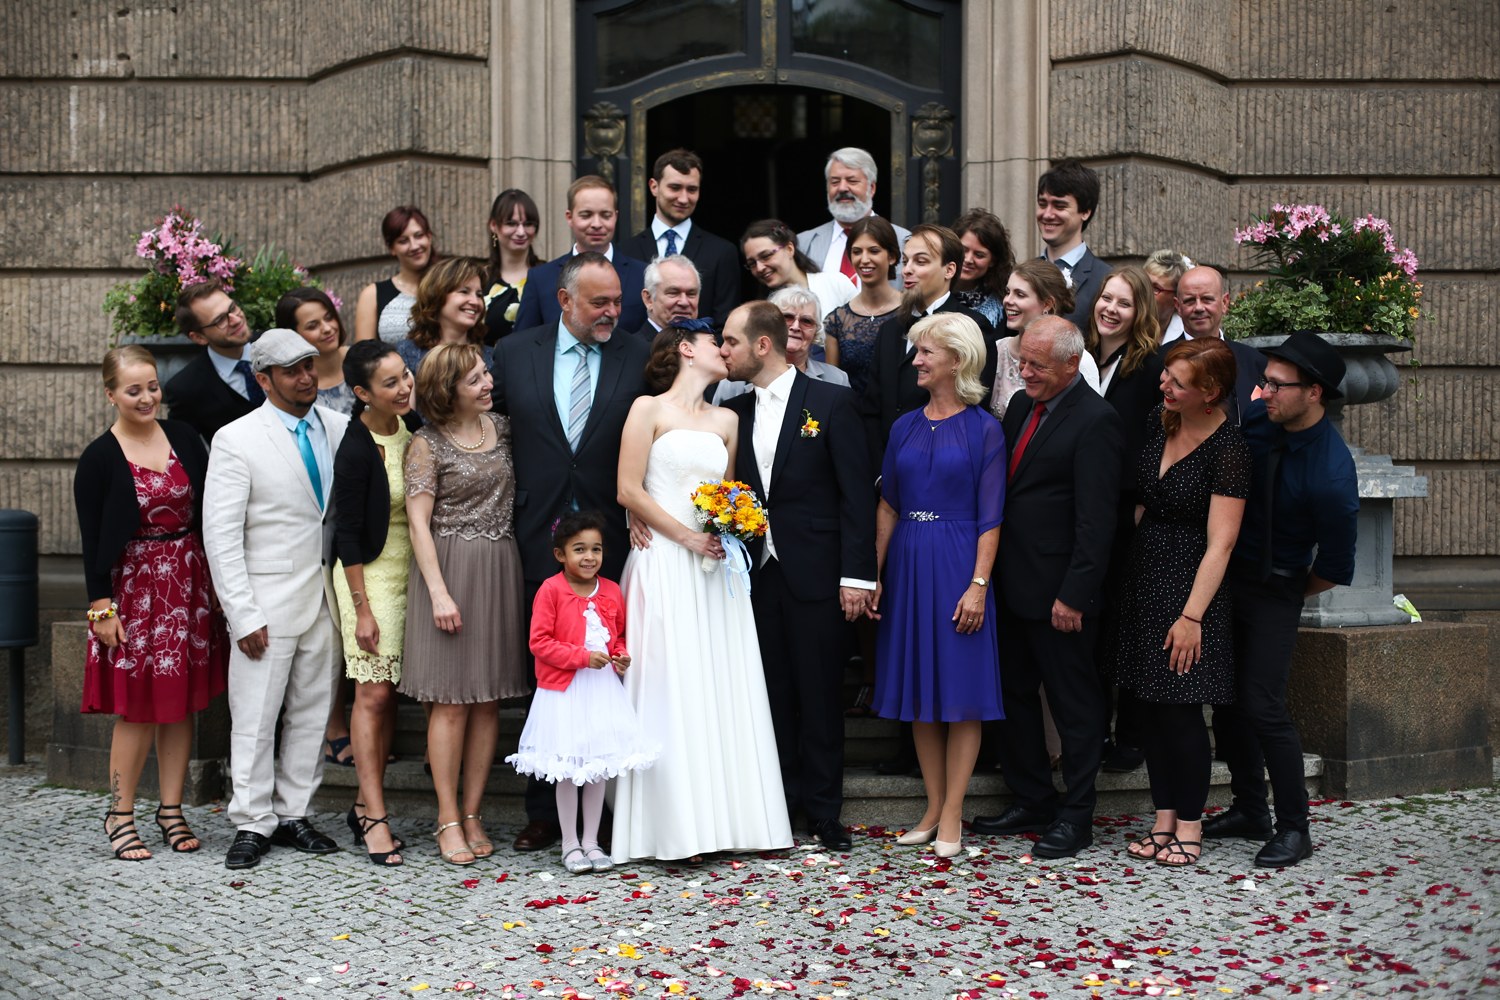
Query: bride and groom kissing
[[743, 691]]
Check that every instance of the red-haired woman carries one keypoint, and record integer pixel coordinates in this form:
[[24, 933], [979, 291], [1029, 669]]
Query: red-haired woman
[[384, 308]]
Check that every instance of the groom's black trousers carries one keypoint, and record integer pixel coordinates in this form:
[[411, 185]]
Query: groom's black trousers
[[803, 646]]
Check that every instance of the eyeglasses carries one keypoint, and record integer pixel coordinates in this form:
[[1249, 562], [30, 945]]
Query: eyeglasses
[[792, 319], [1270, 387], [764, 257], [517, 224], [223, 317]]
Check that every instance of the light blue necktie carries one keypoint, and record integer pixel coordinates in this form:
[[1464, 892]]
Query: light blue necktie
[[671, 235], [309, 461], [578, 398]]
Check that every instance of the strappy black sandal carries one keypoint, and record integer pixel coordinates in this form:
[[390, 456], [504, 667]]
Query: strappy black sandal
[[174, 831], [1180, 849], [378, 858], [1150, 843], [125, 832]]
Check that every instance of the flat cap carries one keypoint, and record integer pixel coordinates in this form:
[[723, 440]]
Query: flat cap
[[278, 348]]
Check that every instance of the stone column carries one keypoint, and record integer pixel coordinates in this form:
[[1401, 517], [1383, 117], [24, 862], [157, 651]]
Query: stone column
[[533, 109], [1004, 111]]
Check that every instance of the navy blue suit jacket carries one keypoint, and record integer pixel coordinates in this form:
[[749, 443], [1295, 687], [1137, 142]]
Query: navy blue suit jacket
[[539, 300], [1088, 277], [716, 259]]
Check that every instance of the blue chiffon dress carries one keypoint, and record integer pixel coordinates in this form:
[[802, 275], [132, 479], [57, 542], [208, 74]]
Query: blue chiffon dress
[[946, 481]]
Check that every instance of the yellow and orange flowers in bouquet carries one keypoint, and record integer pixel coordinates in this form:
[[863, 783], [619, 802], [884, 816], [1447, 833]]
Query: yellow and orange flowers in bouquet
[[731, 508]]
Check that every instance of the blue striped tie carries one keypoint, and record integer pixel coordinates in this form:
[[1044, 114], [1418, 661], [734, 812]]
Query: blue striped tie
[[304, 445], [671, 235], [578, 398]]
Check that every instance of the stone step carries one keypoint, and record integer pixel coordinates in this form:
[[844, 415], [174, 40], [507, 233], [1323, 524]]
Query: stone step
[[869, 798]]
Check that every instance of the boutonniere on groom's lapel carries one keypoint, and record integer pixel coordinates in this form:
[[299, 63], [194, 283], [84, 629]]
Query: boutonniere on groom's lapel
[[810, 427]]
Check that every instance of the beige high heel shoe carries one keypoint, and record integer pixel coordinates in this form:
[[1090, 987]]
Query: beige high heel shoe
[[916, 838]]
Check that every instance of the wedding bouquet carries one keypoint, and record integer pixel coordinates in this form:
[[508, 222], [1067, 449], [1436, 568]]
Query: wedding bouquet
[[733, 511]]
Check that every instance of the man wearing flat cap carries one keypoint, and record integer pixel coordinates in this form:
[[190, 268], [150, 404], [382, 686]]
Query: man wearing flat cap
[[1297, 540], [268, 534]]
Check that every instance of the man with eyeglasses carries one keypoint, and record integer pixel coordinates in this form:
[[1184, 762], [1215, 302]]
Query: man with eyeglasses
[[1202, 301], [217, 386], [1297, 540]]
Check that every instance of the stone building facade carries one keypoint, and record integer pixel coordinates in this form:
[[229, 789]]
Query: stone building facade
[[299, 122]]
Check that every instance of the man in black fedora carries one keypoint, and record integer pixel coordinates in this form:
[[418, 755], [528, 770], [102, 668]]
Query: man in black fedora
[[1297, 540]]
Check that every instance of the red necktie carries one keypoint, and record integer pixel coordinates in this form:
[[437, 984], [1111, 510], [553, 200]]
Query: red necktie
[[1031, 426], [846, 266]]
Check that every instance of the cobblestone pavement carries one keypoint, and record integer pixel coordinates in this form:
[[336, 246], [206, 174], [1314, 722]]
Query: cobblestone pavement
[[1399, 898]]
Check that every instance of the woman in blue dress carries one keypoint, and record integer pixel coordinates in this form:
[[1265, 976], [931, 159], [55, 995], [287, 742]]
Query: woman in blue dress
[[942, 491]]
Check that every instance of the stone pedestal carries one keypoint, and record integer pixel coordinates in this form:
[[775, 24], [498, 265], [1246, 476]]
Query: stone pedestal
[[1367, 601], [1394, 710], [78, 754]]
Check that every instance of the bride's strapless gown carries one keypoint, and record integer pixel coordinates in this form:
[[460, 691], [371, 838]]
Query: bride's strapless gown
[[696, 683]]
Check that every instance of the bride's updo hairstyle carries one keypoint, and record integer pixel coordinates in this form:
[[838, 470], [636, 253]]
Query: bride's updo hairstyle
[[662, 366]]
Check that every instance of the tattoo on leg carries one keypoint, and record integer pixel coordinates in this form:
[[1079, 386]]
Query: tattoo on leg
[[114, 790]]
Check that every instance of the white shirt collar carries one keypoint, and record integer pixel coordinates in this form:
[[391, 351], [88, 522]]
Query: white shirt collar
[[780, 387], [609, 252], [659, 229]]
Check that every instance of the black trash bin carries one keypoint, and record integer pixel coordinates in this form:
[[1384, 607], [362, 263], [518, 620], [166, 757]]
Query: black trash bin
[[18, 613]]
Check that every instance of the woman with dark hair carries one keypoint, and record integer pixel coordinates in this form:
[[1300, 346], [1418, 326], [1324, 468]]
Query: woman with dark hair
[[465, 639], [310, 312], [449, 310], [851, 329], [384, 308], [513, 223], [988, 261], [1034, 288], [772, 258], [158, 650], [696, 683], [1172, 645], [374, 553]]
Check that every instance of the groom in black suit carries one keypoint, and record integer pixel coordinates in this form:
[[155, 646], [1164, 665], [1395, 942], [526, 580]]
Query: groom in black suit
[[801, 448], [536, 372]]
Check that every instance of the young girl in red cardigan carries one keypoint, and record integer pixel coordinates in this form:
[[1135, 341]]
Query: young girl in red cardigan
[[581, 729]]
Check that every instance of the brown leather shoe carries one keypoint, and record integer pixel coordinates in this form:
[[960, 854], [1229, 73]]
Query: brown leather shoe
[[537, 836]]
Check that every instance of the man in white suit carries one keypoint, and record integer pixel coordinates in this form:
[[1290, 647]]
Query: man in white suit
[[850, 173], [268, 535]]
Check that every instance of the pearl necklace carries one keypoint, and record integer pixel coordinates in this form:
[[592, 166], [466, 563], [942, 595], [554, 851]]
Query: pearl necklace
[[483, 436]]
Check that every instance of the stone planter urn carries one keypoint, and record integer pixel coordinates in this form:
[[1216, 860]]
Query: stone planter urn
[[1369, 377]]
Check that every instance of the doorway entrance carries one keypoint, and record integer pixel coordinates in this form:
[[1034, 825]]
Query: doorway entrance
[[763, 150], [764, 91]]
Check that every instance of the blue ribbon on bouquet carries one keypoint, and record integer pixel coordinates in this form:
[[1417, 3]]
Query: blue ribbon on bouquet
[[736, 563]]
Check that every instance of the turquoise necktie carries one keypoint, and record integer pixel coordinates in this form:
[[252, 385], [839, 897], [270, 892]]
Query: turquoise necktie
[[309, 461]]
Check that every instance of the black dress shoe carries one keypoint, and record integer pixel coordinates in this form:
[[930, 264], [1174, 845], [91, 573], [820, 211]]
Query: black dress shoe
[[247, 850], [1285, 849], [538, 836], [832, 834], [1064, 839], [1016, 819], [1120, 759], [301, 834], [1235, 822]]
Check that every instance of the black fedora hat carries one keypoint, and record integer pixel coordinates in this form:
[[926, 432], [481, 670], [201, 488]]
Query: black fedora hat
[[1316, 357]]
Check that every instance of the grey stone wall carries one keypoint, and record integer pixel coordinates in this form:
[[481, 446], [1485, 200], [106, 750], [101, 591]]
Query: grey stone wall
[[1198, 113], [297, 123]]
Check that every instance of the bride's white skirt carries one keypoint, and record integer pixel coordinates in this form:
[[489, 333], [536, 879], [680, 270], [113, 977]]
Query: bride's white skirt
[[584, 733], [697, 687]]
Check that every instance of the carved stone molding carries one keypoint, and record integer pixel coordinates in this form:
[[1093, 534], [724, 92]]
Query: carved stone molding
[[604, 136], [932, 140]]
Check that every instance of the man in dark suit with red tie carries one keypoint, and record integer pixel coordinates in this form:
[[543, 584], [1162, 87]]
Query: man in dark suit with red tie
[[802, 450], [1065, 467], [676, 182]]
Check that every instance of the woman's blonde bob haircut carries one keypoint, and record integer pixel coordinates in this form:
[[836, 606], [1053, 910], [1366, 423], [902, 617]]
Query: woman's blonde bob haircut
[[959, 335], [437, 379]]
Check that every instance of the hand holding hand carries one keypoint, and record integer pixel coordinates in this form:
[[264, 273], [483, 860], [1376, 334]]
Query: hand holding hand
[[255, 644], [873, 610], [854, 601], [1065, 619]]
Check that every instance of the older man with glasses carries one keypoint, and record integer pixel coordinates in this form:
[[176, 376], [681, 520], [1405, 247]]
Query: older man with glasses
[[217, 386]]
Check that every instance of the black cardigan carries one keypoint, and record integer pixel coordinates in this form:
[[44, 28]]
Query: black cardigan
[[361, 495], [104, 493]]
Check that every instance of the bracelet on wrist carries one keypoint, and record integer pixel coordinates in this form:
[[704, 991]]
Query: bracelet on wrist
[[104, 614], [1195, 621]]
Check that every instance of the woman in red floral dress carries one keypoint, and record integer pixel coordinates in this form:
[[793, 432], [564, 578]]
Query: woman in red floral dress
[[158, 649]]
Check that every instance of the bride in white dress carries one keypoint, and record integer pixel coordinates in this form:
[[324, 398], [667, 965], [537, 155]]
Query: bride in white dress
[[695, 678]]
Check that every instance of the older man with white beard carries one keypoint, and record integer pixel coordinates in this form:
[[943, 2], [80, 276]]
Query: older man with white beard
[[851, 174]]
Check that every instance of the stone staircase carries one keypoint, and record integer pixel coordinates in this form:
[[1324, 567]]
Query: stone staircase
[[869, 798]]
